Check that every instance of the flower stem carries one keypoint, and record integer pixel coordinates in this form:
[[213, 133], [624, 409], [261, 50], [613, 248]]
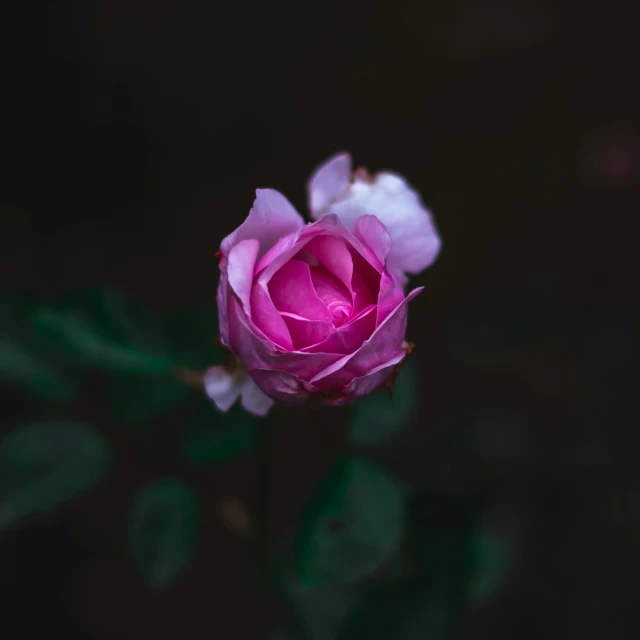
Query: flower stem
[[265, 559]]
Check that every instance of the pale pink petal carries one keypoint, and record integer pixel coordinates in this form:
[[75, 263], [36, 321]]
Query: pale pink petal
[[292, 291], [282, 386], [373, 235], [259, 353], [271, 218], [306, 332], [333, 293], [267, 318], [284, 245], [384, 344], [242, 259], [332, 253], [349, 337], [329, 181]]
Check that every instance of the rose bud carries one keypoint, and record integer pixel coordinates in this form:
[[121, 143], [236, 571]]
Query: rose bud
[[317, 313]]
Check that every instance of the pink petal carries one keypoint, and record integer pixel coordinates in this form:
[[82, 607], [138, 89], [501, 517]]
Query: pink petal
[[306, 332], [366, 384], [390, 295], [373, 235], [365, 284], [329, 181], [221, 302], [292, 291], [267, 318], [333, 294], [349, 337], [332, 253], [271, 218], [384, 344], [242, 259], [284, 245], [282, 386], [258, 352]]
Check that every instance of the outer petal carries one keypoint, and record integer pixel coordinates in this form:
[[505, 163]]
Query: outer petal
[[329, 182], [373, 235], [384, 345], [282, 386], [224, 388], [364, 385], [242, 260], [271, 217]]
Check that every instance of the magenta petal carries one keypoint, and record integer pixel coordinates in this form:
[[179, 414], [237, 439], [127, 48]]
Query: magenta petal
[[384, 344], [332, 253], [364, 385], [329, 181], [390, 295], [258, 352], [349, 337], [267, 318], [364, 284], [292, 291], [333, 293], [271, 218], [373, 235], [282, 386], [306, 332], [242, 259]]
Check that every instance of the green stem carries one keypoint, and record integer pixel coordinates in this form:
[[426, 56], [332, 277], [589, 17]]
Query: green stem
[[273, 576]]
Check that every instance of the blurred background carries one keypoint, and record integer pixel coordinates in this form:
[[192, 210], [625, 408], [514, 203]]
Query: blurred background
[[135, 139]]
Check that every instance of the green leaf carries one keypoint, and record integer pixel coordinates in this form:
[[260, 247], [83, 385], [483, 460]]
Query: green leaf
[[213, 436], [104, 329], [139, 398], [376, 417], [42, 464], [26, 359], [352, 522], [164, 530]]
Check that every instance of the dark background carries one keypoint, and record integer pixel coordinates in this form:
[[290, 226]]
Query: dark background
[[135, 139]]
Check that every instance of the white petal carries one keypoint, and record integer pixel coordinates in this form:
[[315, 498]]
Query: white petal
[[223, 387], [415, 239], [254, 400], [328, 183]]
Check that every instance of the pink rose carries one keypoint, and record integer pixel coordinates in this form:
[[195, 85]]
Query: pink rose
[[317, 311]]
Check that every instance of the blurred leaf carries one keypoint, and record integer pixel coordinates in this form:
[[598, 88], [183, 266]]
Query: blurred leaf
[[385, 612], [164, 530], [104, 329], [214, 436], [352, 522], [376, 417], [138, 398], [490, 562], [463, 563], [26, 359], [42, 464], [318, 613], [194, 335]]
